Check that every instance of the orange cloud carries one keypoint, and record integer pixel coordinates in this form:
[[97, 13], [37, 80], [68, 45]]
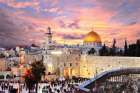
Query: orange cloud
[[110, 19], [15, 4]]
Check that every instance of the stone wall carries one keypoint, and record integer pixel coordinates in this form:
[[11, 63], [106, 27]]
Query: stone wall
[[92, 65], [3, 65], [65, 64]]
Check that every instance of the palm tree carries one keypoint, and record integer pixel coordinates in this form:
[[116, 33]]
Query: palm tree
[[37, 70]]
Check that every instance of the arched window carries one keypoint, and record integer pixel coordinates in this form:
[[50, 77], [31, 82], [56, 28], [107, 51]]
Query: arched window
[[8, 76], [1, 76]]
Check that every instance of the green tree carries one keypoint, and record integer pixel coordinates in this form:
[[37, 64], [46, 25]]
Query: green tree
[[113, 49], [104, 51], [137, 50], [37, 70], [91, 51], [29, 80], [34, 75], [125, 48]]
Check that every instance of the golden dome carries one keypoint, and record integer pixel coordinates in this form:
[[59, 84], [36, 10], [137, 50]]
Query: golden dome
[[92, 37]]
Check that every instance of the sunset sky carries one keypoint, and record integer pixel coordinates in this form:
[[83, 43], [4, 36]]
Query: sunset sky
[[26, 21]]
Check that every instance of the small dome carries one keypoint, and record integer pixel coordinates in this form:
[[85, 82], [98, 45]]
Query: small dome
[[92, 37]]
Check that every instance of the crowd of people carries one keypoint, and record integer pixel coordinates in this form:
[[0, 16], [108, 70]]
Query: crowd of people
[[128, 86], [7, 87], [63, 86], [54, 86]]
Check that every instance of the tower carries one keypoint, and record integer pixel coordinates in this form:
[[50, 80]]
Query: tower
[[47, 57], [49, 35], [48, 42]]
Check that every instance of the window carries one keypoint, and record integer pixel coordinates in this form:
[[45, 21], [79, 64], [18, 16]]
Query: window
[[70, 64], [1, 76], [8, 77], [64, 64]]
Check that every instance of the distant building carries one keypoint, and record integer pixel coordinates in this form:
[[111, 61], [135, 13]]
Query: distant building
[[3, 65]]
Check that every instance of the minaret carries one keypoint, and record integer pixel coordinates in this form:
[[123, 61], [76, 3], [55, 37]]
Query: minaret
[[48, 45], [47, 58], [49, 35], [48, 39]]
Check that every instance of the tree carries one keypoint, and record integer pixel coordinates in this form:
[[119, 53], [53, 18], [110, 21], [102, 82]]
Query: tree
[[125, 49], [34, 74], [104, 51], [113, 49], [91, 51], [132, 50], [37, 70], [29, 79], [137, 50]]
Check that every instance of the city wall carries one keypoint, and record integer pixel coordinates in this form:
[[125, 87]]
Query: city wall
[[92, 65]]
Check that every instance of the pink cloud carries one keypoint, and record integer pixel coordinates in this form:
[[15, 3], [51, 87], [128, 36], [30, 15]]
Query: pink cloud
[[77, 21], [14, 4]]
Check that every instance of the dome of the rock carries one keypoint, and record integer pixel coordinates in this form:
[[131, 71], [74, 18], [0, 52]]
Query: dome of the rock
[[92, 37]]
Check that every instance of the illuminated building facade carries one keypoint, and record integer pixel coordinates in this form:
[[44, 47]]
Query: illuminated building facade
[[74, 60], [68, 61], [93, 65], [63, 62]]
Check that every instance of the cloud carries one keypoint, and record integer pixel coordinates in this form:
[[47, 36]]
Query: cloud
[[14, 4], [71, 36], [25, 21], [72, 24], [14, 31]]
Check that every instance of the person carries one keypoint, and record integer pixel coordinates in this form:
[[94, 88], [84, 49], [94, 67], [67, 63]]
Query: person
[[13, 90], [94, 90]]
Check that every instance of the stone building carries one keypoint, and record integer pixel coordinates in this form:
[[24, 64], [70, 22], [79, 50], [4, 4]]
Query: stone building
[[63, 63], [3, 65]]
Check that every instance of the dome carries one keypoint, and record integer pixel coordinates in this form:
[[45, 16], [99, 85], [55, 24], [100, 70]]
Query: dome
[[92, 37]]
